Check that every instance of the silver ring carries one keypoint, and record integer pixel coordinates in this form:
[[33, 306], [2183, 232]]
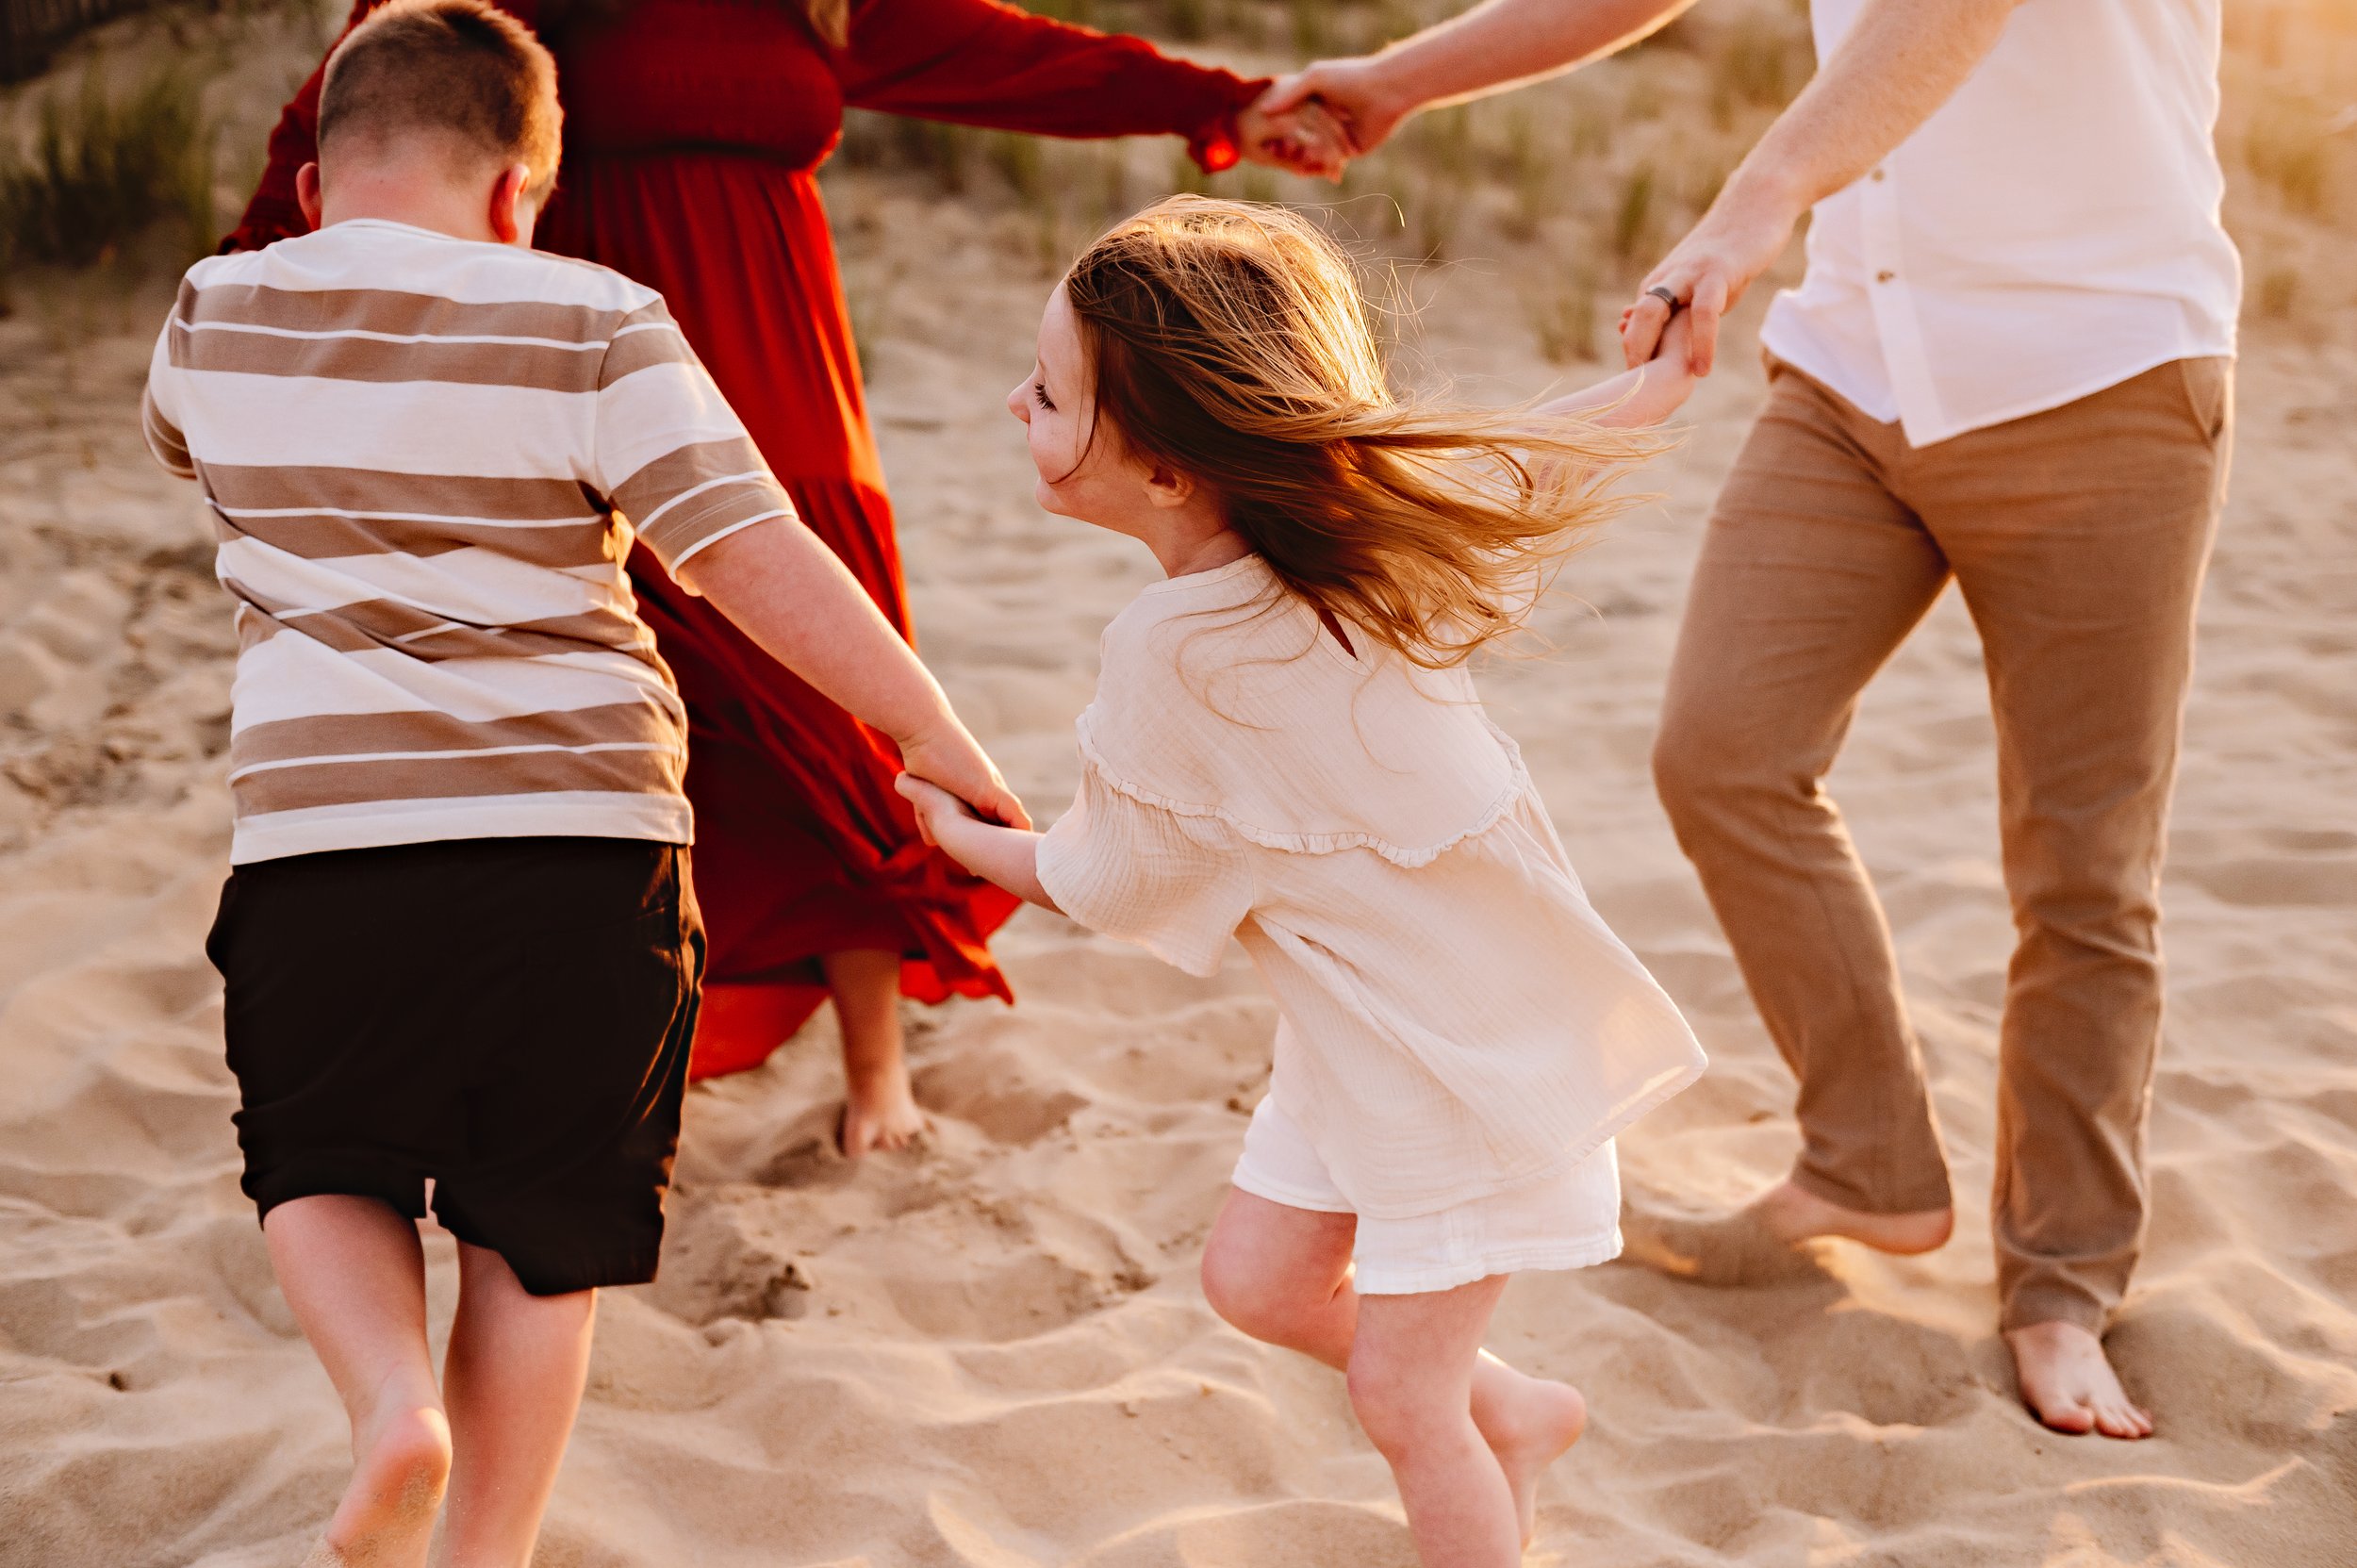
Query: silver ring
[[1662, 293]]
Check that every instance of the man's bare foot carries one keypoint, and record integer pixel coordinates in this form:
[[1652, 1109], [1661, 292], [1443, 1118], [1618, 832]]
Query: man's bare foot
[[400, 1469], [1531, 1433], [1793, 1215], [2068, 1382], [1763, 1242], [881, 1113]]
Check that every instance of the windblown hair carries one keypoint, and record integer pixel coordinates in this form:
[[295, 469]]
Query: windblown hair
[[1231, 342], [457, 67]]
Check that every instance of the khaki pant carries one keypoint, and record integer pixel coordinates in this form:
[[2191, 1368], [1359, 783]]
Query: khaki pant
[[2078, 538]]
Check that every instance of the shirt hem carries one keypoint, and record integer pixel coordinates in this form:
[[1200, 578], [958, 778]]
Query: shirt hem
[[1923, 433], [668, 822]]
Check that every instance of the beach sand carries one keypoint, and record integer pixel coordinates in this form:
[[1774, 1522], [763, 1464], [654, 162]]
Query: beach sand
[[994, 1353]]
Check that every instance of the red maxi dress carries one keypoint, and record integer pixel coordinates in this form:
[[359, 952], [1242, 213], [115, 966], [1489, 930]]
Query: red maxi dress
[[693, 134]]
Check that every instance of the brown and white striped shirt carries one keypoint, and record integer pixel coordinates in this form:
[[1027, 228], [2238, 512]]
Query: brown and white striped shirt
[[426, 458]]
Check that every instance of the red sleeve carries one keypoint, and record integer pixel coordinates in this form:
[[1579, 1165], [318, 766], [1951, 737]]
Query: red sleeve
[[983, 63], [273, 214]]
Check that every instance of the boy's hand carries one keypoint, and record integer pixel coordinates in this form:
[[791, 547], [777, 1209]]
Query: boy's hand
[[947, 758], [933, 804]]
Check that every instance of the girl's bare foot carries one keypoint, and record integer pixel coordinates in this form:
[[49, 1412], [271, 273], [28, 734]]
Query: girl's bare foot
[[880, 1113], [2069, 1384], [401, 1466], [1528, 1433]]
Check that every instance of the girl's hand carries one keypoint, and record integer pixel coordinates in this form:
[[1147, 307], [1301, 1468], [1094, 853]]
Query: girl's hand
[[933, 804]]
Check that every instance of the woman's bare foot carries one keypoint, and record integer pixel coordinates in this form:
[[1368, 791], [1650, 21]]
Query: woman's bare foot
[[879, 1107], [2068, 1382], [401, 1465], [1529, 1431], [880, 1113]]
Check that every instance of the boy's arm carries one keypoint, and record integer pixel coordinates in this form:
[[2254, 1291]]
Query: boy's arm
[[780, 583], [674, 459], [1008, 856], [165, 440]]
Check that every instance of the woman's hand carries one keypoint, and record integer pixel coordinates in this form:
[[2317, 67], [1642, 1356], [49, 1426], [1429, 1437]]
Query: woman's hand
[[1361, 93], [1302, 138]]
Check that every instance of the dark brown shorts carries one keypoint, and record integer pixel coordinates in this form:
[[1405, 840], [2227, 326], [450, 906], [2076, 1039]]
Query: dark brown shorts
[[507, 1017]]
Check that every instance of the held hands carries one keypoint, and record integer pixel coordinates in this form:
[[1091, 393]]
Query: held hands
[[1738, 238], [1300, 137], [934, 805], [1357, 94], [947, 762]]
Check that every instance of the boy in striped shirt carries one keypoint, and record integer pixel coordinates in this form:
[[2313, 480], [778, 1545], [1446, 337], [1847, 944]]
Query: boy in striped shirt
[[458, 937]]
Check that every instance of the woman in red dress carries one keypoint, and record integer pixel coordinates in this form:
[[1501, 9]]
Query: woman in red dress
[[693, 133]]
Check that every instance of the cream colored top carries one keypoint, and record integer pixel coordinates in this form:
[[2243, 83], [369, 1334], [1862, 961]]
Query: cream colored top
[[1456, 1020]]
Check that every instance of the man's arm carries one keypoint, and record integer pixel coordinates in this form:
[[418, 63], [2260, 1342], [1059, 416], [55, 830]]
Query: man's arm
[[1902, 60], [1498, 44]]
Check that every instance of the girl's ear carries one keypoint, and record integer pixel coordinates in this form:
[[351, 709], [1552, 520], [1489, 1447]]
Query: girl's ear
[[1167, 487]]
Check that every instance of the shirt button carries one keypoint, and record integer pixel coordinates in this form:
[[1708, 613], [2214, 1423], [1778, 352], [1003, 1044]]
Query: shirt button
[[1885, 278], [1877, 174]]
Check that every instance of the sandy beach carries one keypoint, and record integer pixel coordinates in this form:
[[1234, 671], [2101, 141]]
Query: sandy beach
[[993, 1353]]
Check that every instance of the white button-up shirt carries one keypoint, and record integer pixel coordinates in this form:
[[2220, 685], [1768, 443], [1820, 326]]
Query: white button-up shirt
[[2051, 231]]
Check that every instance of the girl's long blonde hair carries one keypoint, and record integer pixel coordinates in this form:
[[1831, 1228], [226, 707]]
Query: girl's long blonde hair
[[1231, 342]]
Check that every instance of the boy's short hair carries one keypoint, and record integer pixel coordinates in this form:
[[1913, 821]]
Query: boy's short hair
[[455, 66]]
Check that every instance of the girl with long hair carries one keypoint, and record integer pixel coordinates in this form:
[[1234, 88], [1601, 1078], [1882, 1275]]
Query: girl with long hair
[[1286, 747]]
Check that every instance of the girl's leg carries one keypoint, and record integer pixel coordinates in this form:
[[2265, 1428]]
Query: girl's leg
[[513, 1382], [1282, 1275], [351, 1270], [1412, 1374], [879, 1108]]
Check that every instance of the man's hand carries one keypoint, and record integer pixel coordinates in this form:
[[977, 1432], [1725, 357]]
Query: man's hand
[[1301, 137], [1358, 94], [1738, 238], [948, 760]]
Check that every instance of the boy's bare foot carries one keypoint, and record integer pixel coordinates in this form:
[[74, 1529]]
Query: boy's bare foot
[[387, 1517], [2068, 1382], [880, 1114], [1762, 1242], [1528, 1434]]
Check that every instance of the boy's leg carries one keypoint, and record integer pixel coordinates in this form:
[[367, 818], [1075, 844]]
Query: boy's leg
[[1412, 1374], [351, 1270], [512, 1383], [880, 1108], [1282, 1275]]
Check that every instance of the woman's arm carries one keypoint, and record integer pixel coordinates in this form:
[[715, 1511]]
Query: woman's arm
[[1008, 856], [978, 62]]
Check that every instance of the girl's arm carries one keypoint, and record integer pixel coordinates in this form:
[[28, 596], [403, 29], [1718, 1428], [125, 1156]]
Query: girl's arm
[[1635, 399], [1008, 856]]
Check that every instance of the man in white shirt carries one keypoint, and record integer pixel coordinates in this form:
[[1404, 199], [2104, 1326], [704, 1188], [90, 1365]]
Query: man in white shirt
[[2010, 361]]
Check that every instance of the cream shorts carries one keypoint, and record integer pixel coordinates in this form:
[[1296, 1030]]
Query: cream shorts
[[1571, 1220]]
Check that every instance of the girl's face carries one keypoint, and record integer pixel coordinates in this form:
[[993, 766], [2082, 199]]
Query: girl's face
[[1096, 481]]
